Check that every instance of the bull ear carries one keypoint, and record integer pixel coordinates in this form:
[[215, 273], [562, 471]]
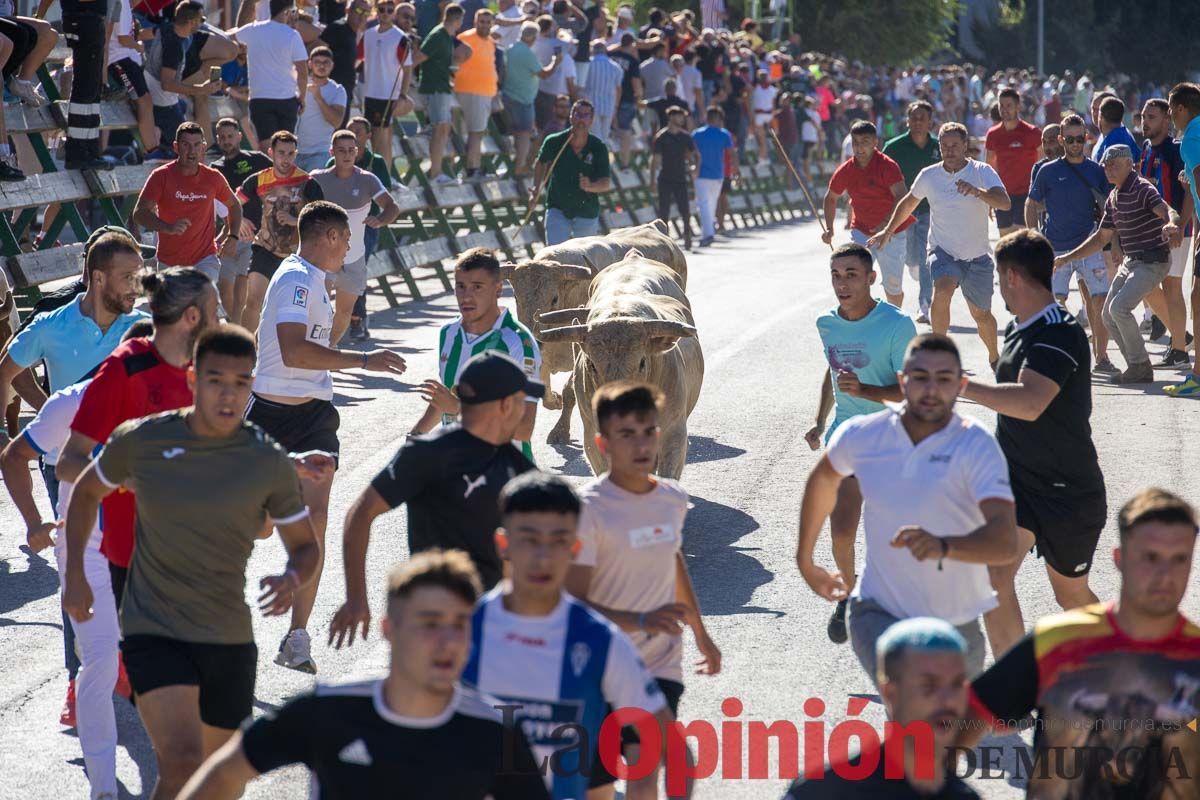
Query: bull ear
[[660, 226], [652, 328], [563, 316], [506, 270], [573, 272], [569, 333], [634, 253]]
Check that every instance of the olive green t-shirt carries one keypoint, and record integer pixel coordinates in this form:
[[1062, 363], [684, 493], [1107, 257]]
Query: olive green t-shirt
[[563, 191], [912, 159], [435, 72], [201, 503]]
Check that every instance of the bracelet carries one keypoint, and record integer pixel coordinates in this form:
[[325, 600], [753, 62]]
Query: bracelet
[[642, 621]]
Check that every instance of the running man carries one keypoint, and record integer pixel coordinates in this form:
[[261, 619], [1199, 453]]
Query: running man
[[528, 628], [875, 184], [236, 165], [960, 191], [483, 325], [937, 502], [188, 641], [417, 728], [1120, 677], [1043, 400], [630, 565], [355, 190], [864, 340], [293, 389], [913, 151], [1013, 147]]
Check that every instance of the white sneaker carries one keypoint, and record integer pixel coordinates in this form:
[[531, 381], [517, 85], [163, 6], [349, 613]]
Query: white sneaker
[[295, 652], [29, 92]]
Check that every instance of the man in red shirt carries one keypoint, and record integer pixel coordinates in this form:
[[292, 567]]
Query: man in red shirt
[[178, 202], [875, 184], [1013, 147]]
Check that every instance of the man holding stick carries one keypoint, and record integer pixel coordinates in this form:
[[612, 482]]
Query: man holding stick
[[573, 165]]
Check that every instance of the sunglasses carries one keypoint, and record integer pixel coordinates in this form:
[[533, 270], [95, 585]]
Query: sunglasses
[[1074, 139], [385, 9]]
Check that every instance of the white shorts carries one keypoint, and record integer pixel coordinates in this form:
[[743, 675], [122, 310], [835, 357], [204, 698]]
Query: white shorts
[[1179, 258], [476, 109]]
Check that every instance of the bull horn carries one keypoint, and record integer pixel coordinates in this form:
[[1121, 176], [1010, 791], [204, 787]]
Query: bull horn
[[659, 226], [565, 315], [634, 253], [569, 333], [666, 328], [574, 272]]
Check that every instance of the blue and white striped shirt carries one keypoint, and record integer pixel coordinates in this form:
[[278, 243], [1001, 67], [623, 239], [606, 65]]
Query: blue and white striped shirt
[[604, 77]]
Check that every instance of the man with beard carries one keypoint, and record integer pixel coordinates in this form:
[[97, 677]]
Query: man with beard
[[580, 175], [1128, 668], [1013, 146], [937, 505], [236, 165], [922, 682]]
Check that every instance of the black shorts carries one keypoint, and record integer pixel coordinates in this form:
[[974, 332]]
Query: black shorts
[[130, 75], [224, 673], [1067, 526], [673, 691], [264, 262], [24, 39], [378, 111], [1015, 214], [191, 59], [118, 575], [299, 428]]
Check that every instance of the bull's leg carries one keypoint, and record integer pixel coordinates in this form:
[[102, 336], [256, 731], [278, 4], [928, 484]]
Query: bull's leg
[[561, 432], [673, 453], [595, 458], [551, 400]]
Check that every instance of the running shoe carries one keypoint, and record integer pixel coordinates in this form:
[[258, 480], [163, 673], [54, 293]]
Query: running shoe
[[923, 319], [295, 652], [706, 241], [837, 624], [1189, 387], [9, 173], [30, 93], [1173, 358], [1157, 329], [1135, 374], [66, 717], [1105, 367]]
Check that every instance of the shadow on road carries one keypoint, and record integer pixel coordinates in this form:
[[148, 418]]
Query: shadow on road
[[575, 463], [18, 589], [706, 448], [725, 578]]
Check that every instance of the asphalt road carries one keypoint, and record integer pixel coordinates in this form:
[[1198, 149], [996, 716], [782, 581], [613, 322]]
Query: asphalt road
[[755, 297]]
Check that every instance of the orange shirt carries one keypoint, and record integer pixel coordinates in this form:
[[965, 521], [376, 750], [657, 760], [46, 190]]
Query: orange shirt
[[477, 75]]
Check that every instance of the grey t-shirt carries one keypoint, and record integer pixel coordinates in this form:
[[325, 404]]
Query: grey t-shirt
[[354, 194], [312, 129], [201, 503]]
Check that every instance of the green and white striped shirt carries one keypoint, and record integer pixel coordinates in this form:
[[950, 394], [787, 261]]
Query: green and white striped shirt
[[456, 347]]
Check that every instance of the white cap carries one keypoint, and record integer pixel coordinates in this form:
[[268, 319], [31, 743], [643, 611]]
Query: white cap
[[625, 12]]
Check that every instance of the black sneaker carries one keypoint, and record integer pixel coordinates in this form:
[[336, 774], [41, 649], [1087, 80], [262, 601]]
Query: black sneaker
[[1106, 367], [9, 173], [1157, 329], [837, 624], [359, 332], [1173, 358]]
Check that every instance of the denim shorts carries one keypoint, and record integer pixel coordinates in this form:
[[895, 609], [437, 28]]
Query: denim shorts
[[521, 114], [889, 259], [918, 241], [437, 107], [560, 227], [626, 112], [1090, 269], [976, 277]]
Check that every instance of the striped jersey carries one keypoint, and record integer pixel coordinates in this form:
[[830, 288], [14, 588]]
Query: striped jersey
[[508, 336], [557, 675]]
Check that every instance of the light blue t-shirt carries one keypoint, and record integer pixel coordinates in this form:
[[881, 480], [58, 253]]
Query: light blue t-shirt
[[712, 143], [872, 347], [70, 343], [1189, 149], [521, 73]]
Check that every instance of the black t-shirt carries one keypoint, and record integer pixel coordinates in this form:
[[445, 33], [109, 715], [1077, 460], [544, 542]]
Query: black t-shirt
[[661, 105], [241, 165], [451, 481], [673, 147], [99, 7], [874, 787], [330, 11], [710, 60], [343, 41], [357, 748], [583, 38], [733, 103], [632, 68], [1054, 454]]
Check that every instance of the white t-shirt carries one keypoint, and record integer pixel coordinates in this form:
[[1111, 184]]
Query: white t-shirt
[[381, 62], [509, 34], [124, 27], [937, 485], [272, 50], [762, 101], [958, 223], [543, 48], [312, 129], [631, 542], [50, 428], [296, 293]]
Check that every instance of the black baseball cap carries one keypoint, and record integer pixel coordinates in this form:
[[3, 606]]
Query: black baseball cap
[[493, 376]]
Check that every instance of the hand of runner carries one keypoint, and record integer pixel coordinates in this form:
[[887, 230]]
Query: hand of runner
[[966, 188], [848, 383], [314, 465], [711, 663], [353, 614], [921, 543], [827, 236], [277, 594], [384, 361], [374, 222], [1173, 234], [77, 597], [437, 395], [227, 247], [879, 240], [248, 231], [813, 437], [825, 583], [666, 619], [39, 538], [177, 227]]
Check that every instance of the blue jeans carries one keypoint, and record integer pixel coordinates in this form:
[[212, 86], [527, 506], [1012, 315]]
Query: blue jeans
[[918, 235], [560, 228], [71, 659]]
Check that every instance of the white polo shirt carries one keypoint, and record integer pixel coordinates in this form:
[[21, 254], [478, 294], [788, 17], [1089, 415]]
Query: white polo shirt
[[296, 293], [937, 485]]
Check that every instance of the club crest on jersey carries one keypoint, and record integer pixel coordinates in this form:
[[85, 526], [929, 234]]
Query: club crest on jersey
[[300, 297], [580, 655]]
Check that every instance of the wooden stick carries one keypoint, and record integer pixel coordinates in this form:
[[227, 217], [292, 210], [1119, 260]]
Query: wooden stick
[[538, 191], [803, 188]]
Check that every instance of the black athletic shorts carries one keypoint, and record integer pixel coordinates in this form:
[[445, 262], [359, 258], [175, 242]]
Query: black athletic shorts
[[118, 575], [264, 262], [1015, 215], [191, 59], [24, 39], [131, 76], [1067, 525], [673, 691], [224, 673], [378, 112], [299, 428]]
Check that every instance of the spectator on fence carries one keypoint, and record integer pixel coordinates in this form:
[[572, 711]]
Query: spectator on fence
[[437, 55], [83, 24], [520, 88], [387, 73], [561, 81], [604, 87], [208, 47], [32, 40], [341, 37], [278, 69], [625, 56], [624, 25], [510, 20], [125, 54], [164, 69], [476, 85], [322, 114], [580, 174], [655, 71], [713, 143], [690, 81], [762, 101], [8, 168]]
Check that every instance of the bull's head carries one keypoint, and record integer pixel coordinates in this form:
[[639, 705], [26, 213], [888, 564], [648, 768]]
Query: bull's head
[[619, 348], [540, 286]]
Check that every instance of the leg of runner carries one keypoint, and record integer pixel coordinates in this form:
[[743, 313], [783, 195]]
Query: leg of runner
[[316, 497], [1005, 625], [1070, 592], [343, 308], [171, 715], [256, 293], [843, 531], [939, 310], [986, 324]]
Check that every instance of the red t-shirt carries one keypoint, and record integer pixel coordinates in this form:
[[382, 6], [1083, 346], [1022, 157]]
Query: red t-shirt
[[131, 383], [1016, 153], [870, 190], [187, 197]]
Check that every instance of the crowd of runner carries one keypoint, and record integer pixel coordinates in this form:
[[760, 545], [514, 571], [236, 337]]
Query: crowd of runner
[[563, 604]]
